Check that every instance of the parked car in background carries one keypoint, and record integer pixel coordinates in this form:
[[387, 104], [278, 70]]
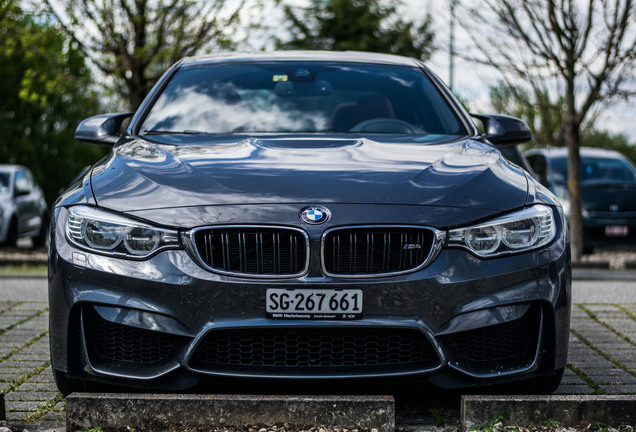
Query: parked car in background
[[306, 216], [514, 155], [23, 210], [608, 192]]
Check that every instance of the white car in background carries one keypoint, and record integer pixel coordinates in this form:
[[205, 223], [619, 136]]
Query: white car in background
[[23, 210]]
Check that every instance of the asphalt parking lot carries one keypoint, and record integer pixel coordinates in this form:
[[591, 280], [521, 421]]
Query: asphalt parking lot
[[602, 356]]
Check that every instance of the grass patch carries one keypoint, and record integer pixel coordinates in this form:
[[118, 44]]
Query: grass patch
[[552, 424], [47, 408], [598, 390], [18, 382], [23, 270], [491, 425], [596, 319], [627, 312], [14, 325]]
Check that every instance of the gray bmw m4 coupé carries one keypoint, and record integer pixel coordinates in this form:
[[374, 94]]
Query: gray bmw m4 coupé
[[310, 216]]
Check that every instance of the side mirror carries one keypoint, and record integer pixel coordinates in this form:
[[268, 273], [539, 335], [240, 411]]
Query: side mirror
[[21, 191], [103, 129], [503, 130]]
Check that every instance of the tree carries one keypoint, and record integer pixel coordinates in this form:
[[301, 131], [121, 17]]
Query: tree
[[612, 141], [44, 94], [135, 41], [360, 25], [582, 51]]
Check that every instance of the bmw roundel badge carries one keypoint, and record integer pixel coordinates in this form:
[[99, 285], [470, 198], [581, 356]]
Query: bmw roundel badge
[[314, 215]]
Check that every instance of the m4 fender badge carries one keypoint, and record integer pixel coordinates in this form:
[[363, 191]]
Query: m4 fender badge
[[314, 215]]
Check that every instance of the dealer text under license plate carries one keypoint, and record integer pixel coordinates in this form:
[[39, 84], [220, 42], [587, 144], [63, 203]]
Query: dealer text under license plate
[[282, 303]]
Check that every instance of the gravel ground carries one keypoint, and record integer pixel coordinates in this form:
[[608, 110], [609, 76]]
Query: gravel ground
[[497, 427], [598, 427], [618, 259]]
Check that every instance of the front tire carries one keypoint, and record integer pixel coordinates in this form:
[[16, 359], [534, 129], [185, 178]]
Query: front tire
[[41, 238], [547, 384], [66, 386], [12, 234]]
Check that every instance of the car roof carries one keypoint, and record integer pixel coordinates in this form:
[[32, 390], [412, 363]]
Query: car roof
[[583, 151], [11, 168], [323, 56]]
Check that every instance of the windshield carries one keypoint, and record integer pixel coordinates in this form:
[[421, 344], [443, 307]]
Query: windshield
[[301, 97], [596, 171]]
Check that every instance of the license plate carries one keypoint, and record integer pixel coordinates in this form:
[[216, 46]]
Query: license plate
[[284, 303], [616, 231]]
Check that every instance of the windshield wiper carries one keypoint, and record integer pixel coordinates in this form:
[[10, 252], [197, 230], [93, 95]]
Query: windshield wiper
[[167, 132]]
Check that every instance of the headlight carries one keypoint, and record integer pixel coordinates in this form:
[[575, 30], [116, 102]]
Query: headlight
[[521, 231], [113, 234]]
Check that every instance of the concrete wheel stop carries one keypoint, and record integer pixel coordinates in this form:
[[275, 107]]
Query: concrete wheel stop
[[175, 412], [192, 413], [529, 411]]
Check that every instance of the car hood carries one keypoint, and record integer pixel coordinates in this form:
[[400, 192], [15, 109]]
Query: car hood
[[141, 175]]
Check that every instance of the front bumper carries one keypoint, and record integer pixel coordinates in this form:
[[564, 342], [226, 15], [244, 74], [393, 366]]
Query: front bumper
[[459, 321]]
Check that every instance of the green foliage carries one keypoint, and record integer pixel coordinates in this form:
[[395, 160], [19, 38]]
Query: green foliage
[[600, 427], [491, 425], [611, 141], [359, 25], [552, 423], [44, 93]]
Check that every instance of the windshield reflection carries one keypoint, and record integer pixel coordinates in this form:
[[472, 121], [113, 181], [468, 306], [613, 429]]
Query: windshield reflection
[[191, 111]]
